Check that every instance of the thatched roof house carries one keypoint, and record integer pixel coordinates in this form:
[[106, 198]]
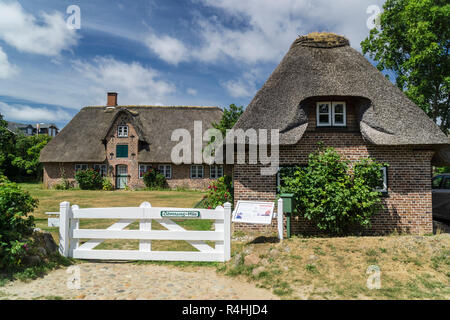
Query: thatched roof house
[[325, 91], [324, 64], [123, 142]]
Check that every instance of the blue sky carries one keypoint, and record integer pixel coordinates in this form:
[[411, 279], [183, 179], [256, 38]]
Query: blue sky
[[153, 52]]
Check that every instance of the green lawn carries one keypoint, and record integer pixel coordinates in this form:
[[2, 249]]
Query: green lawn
[[50, 199]]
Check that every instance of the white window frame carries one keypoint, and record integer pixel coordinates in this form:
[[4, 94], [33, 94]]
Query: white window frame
[[385, 181], [79, 167], [122, 131], [331, 114], [166, 170], [197, 175], [333, 118], [318, 113], [103, 169], [215, 172], [145, 166]]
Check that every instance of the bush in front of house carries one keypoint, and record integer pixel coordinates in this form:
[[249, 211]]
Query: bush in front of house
[[219, 192], [107, 184], [153, 179], [339, 200], [15, 224], [89, 179]]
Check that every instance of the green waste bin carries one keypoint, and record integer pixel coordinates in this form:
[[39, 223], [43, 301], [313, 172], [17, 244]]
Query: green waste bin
[[288, 209]]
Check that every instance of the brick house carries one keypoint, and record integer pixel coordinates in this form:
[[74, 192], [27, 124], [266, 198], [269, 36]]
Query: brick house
[[123, 141], [325, 91]]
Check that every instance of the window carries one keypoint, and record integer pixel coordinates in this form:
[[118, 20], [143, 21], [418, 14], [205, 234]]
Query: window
[[331, 114], [101, 168], [383, 187], [122, 131], [446, 184], [122, 151], [215, 172], [79, 167], [143, 168], [436, 182], [166, 170], [196, 171]]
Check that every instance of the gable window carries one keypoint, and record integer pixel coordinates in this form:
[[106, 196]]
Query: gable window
[[122, 131], [143, 168], [331, 113], [79, 167], [101, 168], [383, 184], [215, 172], [122, 151], [196, 171], [166, 170]]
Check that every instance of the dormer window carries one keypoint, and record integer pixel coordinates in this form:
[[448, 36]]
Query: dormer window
[[331, 113], [122, 131]]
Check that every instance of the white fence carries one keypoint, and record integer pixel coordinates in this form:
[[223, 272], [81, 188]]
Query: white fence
[[70, 233]]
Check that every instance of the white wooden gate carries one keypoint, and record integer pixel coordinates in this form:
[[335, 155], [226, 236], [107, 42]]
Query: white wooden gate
[[70, 233]]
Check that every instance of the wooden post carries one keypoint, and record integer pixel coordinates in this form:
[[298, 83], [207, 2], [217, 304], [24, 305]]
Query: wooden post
[[227, 231], [218, 226], [145, 225], [73, 225], [64, 221], [280, 219]]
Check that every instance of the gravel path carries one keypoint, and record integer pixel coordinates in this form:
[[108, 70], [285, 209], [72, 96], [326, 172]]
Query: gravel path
[[107, 281]]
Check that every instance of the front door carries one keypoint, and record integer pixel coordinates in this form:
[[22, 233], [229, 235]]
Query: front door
[[121, 176]]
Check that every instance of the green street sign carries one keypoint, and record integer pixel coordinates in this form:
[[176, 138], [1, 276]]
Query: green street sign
[[180, 214]]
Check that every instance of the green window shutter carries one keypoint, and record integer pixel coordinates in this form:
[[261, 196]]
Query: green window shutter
[[122, 151]]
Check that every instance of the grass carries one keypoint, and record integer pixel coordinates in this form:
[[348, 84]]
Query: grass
[[49, 200], [412, 267]]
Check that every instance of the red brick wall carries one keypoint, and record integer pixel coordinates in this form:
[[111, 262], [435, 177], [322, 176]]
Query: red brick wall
[[408, 205]]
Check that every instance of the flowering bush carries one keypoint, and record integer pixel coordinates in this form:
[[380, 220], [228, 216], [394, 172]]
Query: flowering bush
[[89, 179], [219, 192], [15, 224], [154, 179]]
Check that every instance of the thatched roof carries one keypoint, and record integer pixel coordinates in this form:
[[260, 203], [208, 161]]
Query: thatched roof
[[324, 64], [82, 139]]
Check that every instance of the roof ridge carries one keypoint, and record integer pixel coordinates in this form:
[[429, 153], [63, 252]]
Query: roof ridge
[[154, 106]]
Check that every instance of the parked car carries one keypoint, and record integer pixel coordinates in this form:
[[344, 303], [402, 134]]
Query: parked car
[[441, 197]]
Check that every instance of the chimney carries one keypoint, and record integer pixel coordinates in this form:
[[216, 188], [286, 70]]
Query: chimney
[[112, 99]]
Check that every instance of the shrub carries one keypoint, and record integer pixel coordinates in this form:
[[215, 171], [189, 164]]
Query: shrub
[[89, 179], [154, 179], [107, 184], [15, 224], [335, 198], [219, 192]]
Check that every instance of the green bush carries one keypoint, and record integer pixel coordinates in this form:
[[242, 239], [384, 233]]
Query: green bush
[[337, 199], [154, 179], [219, 192], [15, 224], [107, 184], [89, 179]]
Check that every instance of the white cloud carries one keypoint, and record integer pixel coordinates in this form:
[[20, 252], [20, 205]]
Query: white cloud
[[191, 91], [48, 35], [167, 48], [243, 87], [20, 112], [135, 83], [7, 70]]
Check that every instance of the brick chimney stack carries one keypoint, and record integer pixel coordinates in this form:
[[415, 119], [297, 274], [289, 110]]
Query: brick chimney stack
[[112, 99]]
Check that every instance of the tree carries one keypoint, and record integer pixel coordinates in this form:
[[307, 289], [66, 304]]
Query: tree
[[413, 41], [229, 118], [6, 147], [336, 198], [26, 154]]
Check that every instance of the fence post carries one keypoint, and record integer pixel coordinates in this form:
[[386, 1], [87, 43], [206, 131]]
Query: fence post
[[280, 219], [227, 231], [64, 224], [145, 225], [73, 225]]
